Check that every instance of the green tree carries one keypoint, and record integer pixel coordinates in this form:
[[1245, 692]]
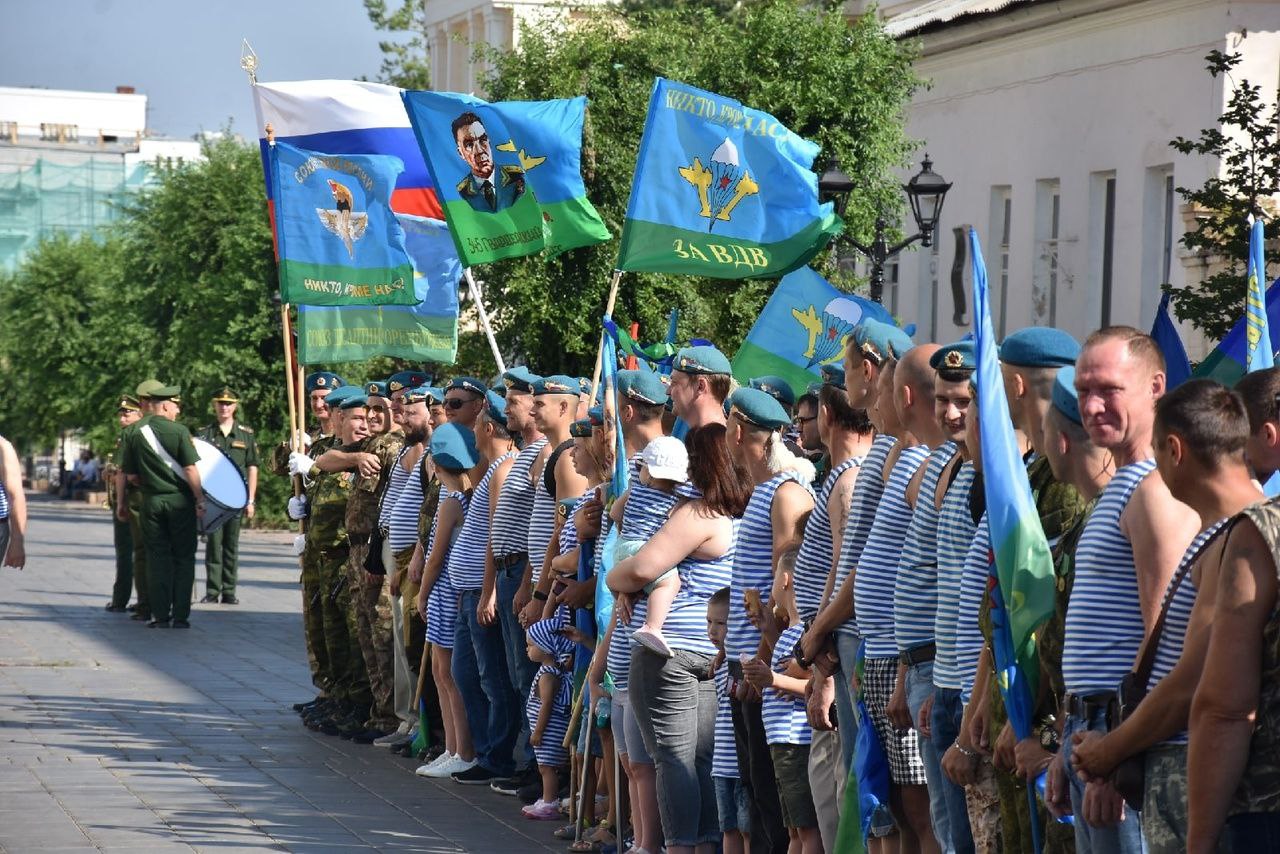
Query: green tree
[[1246, 143], [405, 61]]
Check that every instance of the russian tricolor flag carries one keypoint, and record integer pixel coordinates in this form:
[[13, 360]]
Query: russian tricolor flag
[[348, 117]]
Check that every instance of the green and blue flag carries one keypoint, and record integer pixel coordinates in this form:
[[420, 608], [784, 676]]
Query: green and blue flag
[[508, 174], [1258, 347], [721, 190], [339, 243]]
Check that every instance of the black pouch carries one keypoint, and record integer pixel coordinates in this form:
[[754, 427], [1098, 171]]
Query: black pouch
[[373, 560]]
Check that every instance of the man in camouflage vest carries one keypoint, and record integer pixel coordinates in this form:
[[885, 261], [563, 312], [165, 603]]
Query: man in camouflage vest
[[131, 551]]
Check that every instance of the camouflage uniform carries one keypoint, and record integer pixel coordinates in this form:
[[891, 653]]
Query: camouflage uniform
[[371, 601], [131, 550], [312, 613], [983, 802], [133, 497], [1164, 800]]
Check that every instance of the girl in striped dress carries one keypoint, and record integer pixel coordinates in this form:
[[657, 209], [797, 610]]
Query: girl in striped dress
[[548, 712]]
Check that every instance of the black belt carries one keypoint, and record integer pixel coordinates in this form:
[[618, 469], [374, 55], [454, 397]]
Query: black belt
[[1084, 706], [508, 561], [918, 655], [358, 539]]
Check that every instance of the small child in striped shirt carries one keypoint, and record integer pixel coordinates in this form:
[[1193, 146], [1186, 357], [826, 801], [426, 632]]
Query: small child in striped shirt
[[547, 711], [731, 794]]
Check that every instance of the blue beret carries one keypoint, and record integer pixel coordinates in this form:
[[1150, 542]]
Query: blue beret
[[406, 379], [584, 385], [1065, 399], [703, 359], [881, 341], [435, 395], [335, 398], [815, 388], [417, 394], [545, 635], [833, 375], [454, 446], [324, 380], [378, 389], [520, 378], [759, 408], [642, 386], [776, 387], [498, 386], [356, 400], [596, 416], [496, 408], [580, 429], [556, 384], [470, 384], [959, 356], [1039, 347]]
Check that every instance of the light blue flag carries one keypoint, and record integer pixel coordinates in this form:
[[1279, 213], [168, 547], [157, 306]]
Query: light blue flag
[[1177, 367], [1257, 330]]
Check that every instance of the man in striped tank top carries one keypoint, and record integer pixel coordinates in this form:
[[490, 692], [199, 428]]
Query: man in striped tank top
[[1130, 547], [1200, 434], [13, 509]]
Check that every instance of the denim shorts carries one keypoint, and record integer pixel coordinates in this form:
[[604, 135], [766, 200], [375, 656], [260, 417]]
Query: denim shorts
[[626, 732], [732, 804]]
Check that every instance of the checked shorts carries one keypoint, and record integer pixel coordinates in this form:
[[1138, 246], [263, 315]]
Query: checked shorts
[[902, 746]]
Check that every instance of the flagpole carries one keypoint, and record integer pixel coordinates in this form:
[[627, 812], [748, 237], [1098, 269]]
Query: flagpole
[[484, 319], [608, 312]]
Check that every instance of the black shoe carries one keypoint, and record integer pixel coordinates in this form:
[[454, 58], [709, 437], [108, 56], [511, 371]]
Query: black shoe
[[309, 704], [209, 598], [153, 623], [512, 785], [230, 600], [131, 608], [114, 608], [370, 735], [181, 624], [477, 775], [140, 615]]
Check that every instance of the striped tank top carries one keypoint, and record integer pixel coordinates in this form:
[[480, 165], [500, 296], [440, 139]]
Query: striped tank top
[[445, 580], [862, 514], [541, 525], [915, 591], [1104, 616], [466, 558], [955, 535], [686, 625], [403, 519], [973, 586], [877, 571], [1174, 635], [785, 721], [515, 502], [752, 565], [646, 511], [4, 503], [395, 485], [724, 761], [813, 563]]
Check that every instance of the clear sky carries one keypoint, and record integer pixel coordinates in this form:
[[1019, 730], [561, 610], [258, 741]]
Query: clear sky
[[184, 54]]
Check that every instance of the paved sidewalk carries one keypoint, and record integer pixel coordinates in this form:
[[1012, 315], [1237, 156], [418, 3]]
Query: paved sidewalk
[[121, 738]]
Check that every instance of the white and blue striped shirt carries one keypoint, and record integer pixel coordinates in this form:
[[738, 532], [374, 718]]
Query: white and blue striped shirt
[[785, 721], [915, 592], [4, 503], [395, 484], [466, 558], [542, 524], [402, 521], [753, 564], [862, 515], [445, 579], [646, 511], [724, 761], [1104, 615], [510, 531], [813, 563], [686, 624], [956, 530], [1174, 635], [877, 570], [973, 587]]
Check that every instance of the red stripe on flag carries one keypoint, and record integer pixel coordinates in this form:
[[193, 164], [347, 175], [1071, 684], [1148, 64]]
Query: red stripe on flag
[[417, 201]]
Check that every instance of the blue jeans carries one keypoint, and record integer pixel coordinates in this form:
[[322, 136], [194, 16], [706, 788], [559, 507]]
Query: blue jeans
[[846, 720], [1124, 838], [520, 669], [480, 672], [920, 691], [731, 802], [944, 726]]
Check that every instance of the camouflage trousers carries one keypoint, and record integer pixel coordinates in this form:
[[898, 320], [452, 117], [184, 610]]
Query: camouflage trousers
[[348, 680], [313, 623], [1015, 814], [371, 603], [983, 800], [1164, 802]]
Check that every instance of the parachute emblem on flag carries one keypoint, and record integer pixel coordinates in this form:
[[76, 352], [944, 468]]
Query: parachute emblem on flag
[[828, 332], [342, 221], [721, 187]]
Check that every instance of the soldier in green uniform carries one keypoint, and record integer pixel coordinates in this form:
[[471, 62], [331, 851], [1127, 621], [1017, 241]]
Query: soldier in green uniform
[[221, 558], [128, 412], [159, 455]]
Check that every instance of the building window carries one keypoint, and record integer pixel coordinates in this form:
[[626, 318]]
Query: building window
[[1001, 225], [1167, 256], [1102, 233], [1044, 285]]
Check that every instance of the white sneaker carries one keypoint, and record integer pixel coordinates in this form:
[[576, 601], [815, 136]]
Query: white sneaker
[[431, 767], [456, 765]]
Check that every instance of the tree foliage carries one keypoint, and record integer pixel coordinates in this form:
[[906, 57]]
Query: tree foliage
[[405, 62], [1246, 142]]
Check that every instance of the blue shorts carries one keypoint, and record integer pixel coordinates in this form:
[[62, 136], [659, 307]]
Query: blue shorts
[[732, 804]]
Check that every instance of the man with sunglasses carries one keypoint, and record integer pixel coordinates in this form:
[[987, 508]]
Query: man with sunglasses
[[222, 547], [464, 401]]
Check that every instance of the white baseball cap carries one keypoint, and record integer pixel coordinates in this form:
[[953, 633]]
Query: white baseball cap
[[667, 459]]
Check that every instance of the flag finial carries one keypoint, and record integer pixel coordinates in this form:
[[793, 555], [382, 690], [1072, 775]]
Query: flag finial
[[249, 61]]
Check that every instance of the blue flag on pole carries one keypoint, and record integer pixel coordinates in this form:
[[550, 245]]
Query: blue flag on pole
[[1177, 367]]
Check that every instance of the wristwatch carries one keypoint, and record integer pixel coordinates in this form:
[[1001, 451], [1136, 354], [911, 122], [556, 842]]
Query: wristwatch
[[1049, 739]]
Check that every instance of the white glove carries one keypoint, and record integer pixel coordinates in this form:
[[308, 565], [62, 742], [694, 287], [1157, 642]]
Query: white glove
[[304, 439], [300, 463], [298, 507], [299, 544]]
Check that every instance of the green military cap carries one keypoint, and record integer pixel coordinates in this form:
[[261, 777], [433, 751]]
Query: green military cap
[[581, 429], [166, 392], [959, 356], [147, 388], [226, 395], [759, 408], [1065, 398], [495, 408], [357, 400], [881, 341], [453, 446], [406, 379], [377, 388], [556, 384], [703, 359], [323, 380], [1039, 347], [335, 398], [643, 386], [833, 375], [776, 387], [470, 384], [128, 403], [520, 378]]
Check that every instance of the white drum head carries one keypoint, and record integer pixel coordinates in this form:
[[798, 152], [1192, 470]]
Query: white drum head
[[225, 491]]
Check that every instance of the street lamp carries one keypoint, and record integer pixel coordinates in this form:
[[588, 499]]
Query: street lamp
[[925, 191]]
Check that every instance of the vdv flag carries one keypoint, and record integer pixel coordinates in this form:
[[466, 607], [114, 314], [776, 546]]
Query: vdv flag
[[618, 484], [1177, 367], [1258, 346], [804, 326], [426, 332], [721, 190], [339, 241], [1226, 363], [509, 174]]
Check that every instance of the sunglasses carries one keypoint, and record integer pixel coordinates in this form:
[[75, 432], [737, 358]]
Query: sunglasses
[[455, 403], [801, 420]]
